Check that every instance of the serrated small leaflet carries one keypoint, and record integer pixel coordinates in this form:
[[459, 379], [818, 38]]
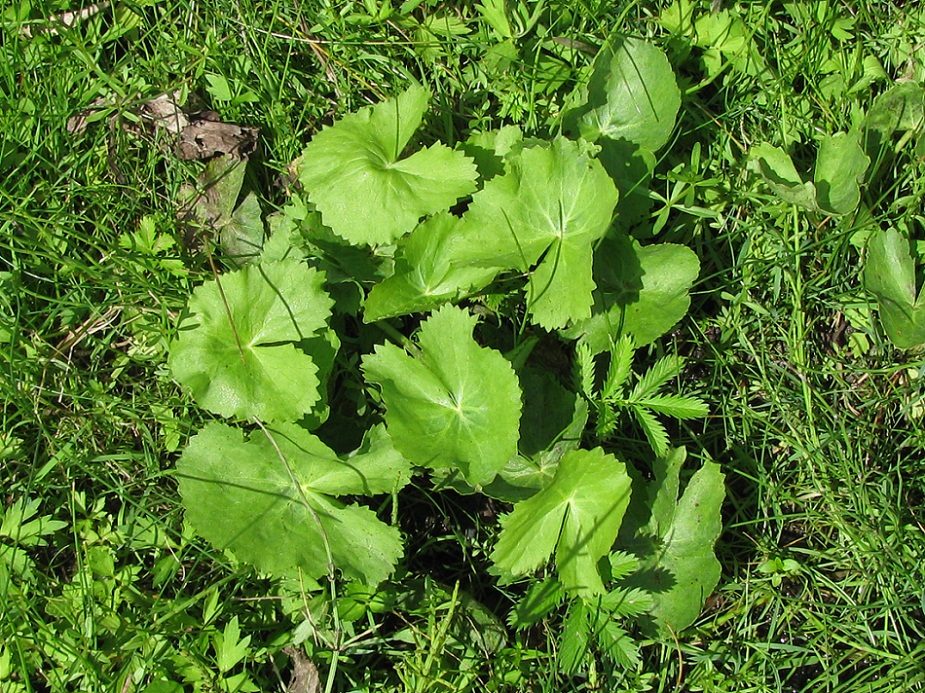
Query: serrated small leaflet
[[238, 349], [365, 192], [576, 517], [455, 404], [271, 498]]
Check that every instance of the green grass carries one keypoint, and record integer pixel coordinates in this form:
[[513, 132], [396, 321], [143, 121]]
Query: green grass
[[815, 417]]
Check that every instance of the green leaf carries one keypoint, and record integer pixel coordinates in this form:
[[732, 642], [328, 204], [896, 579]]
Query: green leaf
[[551, 206], [654, 430], [632, 95], [641, 291], [889, 274], [271, 499], [230, 647], [238, 349], [577, 516], [425, 275], [900, 108], [674, 538], [365, 192], [537, 602], [840, 168], [454, 404], [212, 204], [678, 406], [778, 171]]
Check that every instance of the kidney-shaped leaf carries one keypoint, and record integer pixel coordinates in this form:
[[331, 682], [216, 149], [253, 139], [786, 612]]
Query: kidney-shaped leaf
[[889, 274], [577, 516], [364, 191], [632, 95], [238, 348], [271, 500], [454, 404]]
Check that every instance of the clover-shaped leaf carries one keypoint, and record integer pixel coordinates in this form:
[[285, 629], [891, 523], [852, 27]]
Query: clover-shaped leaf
[[577, 517], [365, 192], [238, 349], [271, 498], [452, 405]]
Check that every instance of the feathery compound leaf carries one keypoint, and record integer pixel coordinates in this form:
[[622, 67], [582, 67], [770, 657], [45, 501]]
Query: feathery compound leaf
[[585, 366], [654, 430], [270, 499], [454, 405], [365, 193], [621, 361], [661, 372], [577, 516], [238, 349]]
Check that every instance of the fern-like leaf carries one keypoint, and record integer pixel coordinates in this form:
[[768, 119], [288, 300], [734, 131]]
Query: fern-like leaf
[[661, 372], [621, 360], [606, 420], [585, 370], [678, 406], [654, 430]]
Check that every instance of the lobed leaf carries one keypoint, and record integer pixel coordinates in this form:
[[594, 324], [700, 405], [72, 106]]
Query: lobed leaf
[[674, 537], [426, 275], [271, 499], [548, 210], [238, 348], [365, 192], [641, 291], [455, 404], [576, 517]]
